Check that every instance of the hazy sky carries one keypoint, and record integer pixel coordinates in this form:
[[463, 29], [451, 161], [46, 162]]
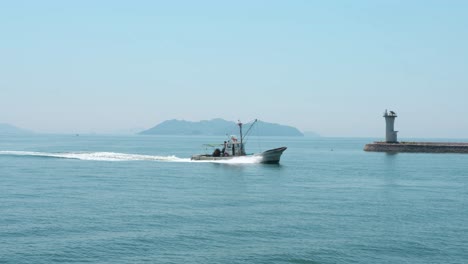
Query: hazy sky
[[327, 66]]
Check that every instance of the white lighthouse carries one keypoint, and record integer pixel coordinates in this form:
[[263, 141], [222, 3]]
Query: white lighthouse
[[390, 133]]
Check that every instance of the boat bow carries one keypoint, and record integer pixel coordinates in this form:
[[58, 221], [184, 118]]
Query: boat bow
[[272, 156]]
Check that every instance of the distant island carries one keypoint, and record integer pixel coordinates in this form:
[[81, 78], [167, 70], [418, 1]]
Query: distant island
[[218, 127], [7, 129]]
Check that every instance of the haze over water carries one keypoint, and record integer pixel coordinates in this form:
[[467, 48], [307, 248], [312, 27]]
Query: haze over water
[[110, 199]]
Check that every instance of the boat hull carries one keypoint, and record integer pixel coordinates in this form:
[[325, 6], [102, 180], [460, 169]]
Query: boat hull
[[271, 156]]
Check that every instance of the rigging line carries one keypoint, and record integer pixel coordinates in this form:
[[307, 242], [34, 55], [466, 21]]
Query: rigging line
[[254, 126], [250, 128]]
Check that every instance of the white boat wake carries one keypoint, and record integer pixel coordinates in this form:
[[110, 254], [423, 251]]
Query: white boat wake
[[113, 156], [235, 160]]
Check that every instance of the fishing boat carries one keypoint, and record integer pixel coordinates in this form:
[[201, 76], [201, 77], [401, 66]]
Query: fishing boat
[[235, 147]]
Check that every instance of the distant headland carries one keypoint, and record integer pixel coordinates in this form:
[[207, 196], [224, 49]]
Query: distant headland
[[217, 127], [7, 129]]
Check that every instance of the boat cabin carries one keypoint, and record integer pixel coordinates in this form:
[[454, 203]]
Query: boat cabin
[[234, 149]]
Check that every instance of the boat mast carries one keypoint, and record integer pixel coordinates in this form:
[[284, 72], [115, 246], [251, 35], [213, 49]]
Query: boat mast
[[241, 139]]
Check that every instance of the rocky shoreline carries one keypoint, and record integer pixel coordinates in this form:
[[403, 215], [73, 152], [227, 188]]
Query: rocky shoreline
[[421, 147]]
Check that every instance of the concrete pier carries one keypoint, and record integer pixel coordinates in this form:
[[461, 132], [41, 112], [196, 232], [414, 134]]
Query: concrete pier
[[421, 147]]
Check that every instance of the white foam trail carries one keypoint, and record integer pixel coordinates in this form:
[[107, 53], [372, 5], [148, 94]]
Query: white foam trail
[[113, 156], [96, 156], [236, 160]]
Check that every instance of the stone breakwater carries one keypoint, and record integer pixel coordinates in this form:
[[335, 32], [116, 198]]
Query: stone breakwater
[[423, 147]]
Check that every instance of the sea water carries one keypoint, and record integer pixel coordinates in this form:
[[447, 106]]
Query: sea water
[[139, 199]]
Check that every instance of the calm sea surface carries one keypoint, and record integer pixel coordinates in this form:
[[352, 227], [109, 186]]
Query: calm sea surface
[[139, 199]]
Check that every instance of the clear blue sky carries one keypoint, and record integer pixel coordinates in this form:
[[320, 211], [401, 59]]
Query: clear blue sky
[[327, 66]]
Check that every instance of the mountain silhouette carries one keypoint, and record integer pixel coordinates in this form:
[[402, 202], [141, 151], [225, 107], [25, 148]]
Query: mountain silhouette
[[218, 127]]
